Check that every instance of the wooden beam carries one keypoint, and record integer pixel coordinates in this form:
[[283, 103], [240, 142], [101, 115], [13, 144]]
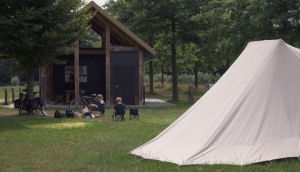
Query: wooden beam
[[107, 62], [114, 31], [46, 81], [99, 29], [76, 69], [50, 80], [141, 75], [104, 14], [123, 48], [91, 51], [99, 21], [43, 85], [120, 35]]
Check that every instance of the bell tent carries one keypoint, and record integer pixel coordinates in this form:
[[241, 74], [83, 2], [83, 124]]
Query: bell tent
[[252, 114]]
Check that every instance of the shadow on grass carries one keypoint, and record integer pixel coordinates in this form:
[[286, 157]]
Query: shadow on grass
[[282, 160], [16, 122], [278, 164]]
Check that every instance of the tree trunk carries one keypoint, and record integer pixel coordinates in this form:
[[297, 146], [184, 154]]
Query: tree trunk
[[173, 61], [30, 76], [162, 74], [196, 75], [151, 76]]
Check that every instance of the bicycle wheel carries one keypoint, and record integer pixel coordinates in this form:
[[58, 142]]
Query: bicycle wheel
[[75, 104], [20, 111], [43, 110]]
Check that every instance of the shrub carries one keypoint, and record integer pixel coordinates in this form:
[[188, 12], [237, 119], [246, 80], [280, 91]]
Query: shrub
[[186, 78], [203, 78], [14, 81]]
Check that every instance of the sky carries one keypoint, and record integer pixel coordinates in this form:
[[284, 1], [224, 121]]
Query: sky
[[99, 2]]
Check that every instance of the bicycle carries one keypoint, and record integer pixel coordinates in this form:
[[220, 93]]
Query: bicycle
[[30, 105], [83, 100]]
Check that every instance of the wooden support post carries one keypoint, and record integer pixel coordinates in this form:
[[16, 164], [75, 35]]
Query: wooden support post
[[191, 94], [12, 94], [5, 97], [76, 69], [107, 63], [42, 82], [144, 97], [20, 91], [141, 75], [46, 76]]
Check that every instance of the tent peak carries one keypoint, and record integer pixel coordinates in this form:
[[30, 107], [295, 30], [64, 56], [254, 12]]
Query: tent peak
[[268, 41]]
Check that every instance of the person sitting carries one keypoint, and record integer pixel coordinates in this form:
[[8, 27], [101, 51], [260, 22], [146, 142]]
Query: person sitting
[[119, 109], [98, 105]]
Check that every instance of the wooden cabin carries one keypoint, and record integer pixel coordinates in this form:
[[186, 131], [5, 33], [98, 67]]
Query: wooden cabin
[[115, 69]]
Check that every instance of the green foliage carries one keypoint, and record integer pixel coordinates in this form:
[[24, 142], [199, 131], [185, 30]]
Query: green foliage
[[203, 78], [229, 25], [34, 33], [207, 35], [15, 81], [164, 23], [7, 67], [16, 88], [91, 40]]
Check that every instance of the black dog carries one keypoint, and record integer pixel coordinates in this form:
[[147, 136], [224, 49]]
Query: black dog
[[133, 113]]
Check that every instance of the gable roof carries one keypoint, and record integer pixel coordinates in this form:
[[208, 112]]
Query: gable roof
[[120, 26]]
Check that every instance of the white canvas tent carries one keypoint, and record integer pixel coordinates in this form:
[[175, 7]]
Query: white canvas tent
[[251, 114]]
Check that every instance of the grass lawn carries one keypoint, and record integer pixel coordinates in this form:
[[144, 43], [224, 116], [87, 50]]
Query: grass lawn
[[31, 143]]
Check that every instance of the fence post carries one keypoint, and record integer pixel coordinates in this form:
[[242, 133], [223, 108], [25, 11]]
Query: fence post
[[5, 97], [191, 94], [12, 94]]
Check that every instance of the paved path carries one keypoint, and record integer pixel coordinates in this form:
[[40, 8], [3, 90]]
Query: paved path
[[157, 102], [10, 106]]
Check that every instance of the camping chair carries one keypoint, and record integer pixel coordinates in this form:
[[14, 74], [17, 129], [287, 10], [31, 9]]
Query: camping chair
[[118, 116]]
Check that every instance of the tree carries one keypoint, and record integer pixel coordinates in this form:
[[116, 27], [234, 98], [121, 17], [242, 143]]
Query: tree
[[34, 33], [208, 34], [168, 19], [164, 54], [138, 16], [174, 20]]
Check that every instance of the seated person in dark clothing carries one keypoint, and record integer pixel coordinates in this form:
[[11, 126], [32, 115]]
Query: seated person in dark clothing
[[98, 105], [119, 108]]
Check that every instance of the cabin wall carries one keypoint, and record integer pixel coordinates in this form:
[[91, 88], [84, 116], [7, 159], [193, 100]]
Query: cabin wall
[[125, 76], [95, 74]]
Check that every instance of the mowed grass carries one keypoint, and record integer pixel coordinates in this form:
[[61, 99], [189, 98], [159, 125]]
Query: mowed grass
[[33, 143]]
